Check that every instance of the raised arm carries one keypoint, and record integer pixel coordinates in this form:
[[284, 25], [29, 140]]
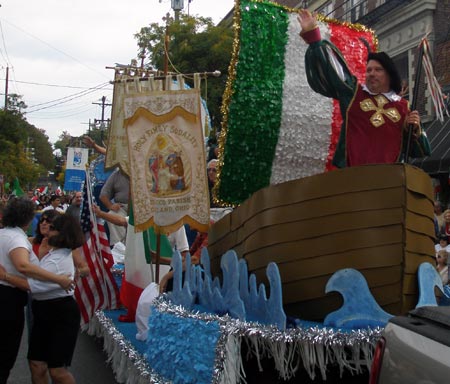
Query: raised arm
[[326, 69], [92, 144], [110, 217]]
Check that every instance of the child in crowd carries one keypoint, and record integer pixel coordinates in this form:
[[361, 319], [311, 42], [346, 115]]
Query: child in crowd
[[442, 244]]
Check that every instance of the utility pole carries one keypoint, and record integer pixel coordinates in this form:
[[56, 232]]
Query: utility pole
[[167, 19], [103, 104], [6, 88]]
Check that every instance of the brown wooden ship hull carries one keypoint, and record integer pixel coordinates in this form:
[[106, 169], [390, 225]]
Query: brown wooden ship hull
[[377, 219]]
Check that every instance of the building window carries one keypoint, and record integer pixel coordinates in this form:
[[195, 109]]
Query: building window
[[326, 9]]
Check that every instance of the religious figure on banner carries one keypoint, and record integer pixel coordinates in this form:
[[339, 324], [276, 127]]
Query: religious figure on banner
[[167, 160], [168, 167]]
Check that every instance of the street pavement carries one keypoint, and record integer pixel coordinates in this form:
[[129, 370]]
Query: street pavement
[[89, 364]]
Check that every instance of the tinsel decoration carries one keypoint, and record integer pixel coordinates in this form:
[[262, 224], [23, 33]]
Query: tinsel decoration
[[309, 346], [253, 101]]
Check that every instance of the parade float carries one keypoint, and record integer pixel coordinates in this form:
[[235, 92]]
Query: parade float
[[308, 262]]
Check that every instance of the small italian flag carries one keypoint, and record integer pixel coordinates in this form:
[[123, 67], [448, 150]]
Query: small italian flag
[[41, 190], [275, 127], [138, 274]]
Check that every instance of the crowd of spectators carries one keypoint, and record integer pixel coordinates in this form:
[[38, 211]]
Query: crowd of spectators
[[442, 232], [45, 202]]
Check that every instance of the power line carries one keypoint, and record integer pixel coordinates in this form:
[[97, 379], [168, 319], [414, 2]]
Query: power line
[[66, 114], [56, 49], [8, 61], [65, 99], [51, 85], [4, 45]]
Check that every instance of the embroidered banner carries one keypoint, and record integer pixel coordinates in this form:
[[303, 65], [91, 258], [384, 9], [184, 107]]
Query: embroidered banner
[[124, 86], [167, 160], [117, 153]]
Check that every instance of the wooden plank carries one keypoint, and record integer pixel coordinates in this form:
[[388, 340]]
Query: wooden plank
[[333, 243], [418, 243], [418, 181], [218, 248], [413, 260], [220, 229], [257, 236], [326, 207], [419, 204], [364, 258], [341, 181], [410, 284], [421, 224], [312, 288]]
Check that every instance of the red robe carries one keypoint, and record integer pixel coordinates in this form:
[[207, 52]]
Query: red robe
[[374, 129]]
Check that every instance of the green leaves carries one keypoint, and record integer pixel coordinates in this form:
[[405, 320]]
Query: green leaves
[[195, 45]]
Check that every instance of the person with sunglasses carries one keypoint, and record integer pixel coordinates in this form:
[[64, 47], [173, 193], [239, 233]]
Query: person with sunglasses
[[18, 261], [56, 317], [40, 240], [41, 247]]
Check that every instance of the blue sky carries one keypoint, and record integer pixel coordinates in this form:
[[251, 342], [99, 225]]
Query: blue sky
[[57, 52]]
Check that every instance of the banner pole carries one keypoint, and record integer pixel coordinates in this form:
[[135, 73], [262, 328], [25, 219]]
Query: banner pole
[[158, 255], [414, 102]]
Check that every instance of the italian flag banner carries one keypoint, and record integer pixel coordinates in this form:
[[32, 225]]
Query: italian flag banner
[[275, 128]]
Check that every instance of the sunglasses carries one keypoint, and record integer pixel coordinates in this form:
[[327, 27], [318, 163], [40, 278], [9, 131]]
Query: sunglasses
[[212, 170], [46, 219]]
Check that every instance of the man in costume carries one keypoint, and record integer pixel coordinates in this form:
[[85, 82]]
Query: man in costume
[[375, 118]]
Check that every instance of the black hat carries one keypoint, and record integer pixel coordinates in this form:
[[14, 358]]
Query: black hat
[[387, 63]]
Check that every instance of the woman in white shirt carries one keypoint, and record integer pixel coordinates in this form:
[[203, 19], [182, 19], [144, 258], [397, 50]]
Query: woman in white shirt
[[15, 257], [56, 317]]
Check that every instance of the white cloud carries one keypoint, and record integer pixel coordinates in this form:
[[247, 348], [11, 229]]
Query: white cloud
[[69, 43]]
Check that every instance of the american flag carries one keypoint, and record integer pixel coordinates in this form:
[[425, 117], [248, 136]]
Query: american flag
[[98, 290]]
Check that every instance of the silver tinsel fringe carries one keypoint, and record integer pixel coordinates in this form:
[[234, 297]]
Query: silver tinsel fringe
[[128, 365], [314, 348]]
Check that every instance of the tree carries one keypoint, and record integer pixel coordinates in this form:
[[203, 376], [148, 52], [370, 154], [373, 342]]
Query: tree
[[26, 151], [15, 104], [195, 45], [63, 142]]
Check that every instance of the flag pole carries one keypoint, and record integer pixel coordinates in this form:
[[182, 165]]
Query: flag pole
[[414, 102], [93, 218], [158, 255]]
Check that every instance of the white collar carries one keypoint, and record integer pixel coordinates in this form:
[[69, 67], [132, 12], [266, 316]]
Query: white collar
[[391, 95]]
